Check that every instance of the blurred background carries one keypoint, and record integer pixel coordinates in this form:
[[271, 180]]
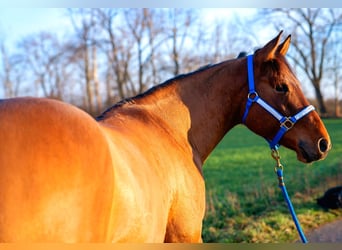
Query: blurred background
[[93, 58]]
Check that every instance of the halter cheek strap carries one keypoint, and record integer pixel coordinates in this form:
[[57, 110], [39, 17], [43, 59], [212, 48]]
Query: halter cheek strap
[[286, 122]]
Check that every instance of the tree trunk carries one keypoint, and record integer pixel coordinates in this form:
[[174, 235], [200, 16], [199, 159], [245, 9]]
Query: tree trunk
[[97, 93], [88, 80], [321, 106]]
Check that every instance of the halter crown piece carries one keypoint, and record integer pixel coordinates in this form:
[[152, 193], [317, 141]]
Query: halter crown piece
[[286, 122]]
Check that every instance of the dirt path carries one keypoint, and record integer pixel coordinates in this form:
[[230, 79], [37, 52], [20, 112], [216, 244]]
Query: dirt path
[[331, 232]]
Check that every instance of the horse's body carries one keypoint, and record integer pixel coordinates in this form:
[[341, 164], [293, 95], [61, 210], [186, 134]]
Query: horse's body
[[135, 174], [80, 180]]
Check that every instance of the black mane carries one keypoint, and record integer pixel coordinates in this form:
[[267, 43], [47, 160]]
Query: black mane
[[132, 100]]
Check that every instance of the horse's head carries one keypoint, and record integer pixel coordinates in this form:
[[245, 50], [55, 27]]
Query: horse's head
[[278, 87]]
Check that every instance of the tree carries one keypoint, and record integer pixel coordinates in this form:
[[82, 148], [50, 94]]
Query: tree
[[128, 41], [178, 29], [136, 20], [224, 39], [6, 73], [116, 45], [41, 57], [334, 70], [10, 72], [85, 25], [312, 31], [147, 33]]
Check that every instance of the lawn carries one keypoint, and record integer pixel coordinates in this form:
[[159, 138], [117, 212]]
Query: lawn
[[244, 203]]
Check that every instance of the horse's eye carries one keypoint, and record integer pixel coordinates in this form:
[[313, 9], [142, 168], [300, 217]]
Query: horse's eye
[[282, 88]]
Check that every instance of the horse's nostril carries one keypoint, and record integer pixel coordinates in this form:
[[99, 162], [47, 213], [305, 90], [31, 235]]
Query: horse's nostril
[[323, 145]]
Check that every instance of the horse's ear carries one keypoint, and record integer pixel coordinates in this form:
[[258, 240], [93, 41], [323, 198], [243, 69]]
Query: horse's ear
[[269, 51], [283, 48]]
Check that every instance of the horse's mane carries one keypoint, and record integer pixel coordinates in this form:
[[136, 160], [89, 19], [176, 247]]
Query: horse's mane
[[132, 100]]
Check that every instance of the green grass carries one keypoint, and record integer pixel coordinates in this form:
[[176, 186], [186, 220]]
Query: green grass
[[244, 203]]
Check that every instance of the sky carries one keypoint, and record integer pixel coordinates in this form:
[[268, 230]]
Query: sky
[[15, 23], [174, 3], [18, 22]]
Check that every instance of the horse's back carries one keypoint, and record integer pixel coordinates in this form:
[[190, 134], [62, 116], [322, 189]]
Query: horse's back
[[56, 179]]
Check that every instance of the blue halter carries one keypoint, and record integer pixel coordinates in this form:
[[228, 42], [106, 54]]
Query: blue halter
[[286, 122]]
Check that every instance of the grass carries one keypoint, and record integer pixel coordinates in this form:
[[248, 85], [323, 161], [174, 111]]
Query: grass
[[244, 203]]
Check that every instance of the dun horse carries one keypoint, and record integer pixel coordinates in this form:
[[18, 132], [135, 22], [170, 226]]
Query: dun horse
[[135, 173]]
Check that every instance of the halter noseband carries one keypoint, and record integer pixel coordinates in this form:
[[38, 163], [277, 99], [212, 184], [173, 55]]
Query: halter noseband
[[286, 122]]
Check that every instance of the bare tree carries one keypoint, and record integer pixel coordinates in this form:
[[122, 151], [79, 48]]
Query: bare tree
[[85, 25], [156, 36], [223, 39], [312, 31], [6, 73], [334, 70], [11, 72], [336, 79], [116, 45], [41, 54], [148, 35], [178, 28], [136, 20]]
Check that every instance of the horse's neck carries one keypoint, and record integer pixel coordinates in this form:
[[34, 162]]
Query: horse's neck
[[214, 100], [200, 107]]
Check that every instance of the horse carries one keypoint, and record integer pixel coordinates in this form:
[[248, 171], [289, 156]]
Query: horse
[[134, 174]]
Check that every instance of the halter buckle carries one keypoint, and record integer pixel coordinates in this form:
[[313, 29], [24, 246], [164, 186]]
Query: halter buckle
[[287, 123]]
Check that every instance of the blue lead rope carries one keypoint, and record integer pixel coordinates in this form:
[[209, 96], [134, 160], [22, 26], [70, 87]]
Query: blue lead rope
[[279, 171], [289, 204]]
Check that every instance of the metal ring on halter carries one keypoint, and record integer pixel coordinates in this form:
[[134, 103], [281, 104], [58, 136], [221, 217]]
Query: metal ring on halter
[[252, 96]]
